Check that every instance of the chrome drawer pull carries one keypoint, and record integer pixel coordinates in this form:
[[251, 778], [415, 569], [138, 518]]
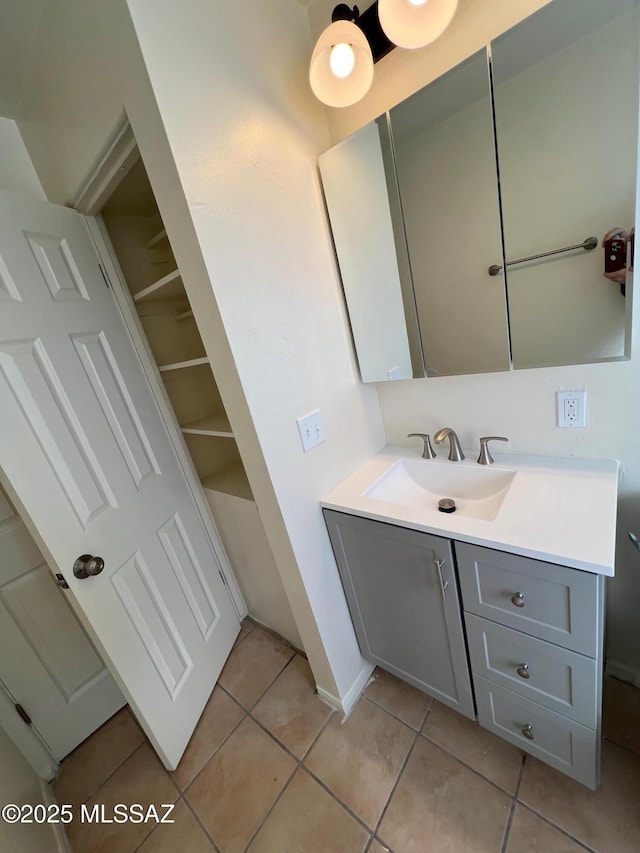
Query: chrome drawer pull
[[443, 583], [523, 670], [518, 599], [527, 731]]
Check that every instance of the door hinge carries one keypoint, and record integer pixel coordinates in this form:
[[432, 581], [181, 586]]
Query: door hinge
[[22, 713], [224, 580], [104, 275]]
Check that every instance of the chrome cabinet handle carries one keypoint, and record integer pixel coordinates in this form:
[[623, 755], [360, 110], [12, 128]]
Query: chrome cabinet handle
[[443, 584], [523, 670], [527, 731], [87, 566], [518, 599]]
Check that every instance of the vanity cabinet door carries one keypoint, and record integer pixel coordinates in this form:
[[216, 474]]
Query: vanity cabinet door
[[402, 592]]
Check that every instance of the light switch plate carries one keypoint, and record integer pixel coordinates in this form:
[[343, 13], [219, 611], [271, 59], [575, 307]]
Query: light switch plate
[[311, 429]]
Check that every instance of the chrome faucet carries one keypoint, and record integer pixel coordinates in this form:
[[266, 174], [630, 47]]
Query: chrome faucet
[[455, 451]]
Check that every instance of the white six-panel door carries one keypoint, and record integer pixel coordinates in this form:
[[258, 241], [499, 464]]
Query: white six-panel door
[[46, 660], [85, 449]]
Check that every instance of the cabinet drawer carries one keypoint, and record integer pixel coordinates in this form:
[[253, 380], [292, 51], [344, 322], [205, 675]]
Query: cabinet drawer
[[557, 678], [554, 603], [564, 744]]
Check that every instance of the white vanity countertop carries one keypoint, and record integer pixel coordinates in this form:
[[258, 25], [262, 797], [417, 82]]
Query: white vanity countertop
[[558, 510]]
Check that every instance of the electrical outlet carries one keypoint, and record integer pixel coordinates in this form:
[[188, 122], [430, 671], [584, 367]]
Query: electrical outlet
[[311, 429], [572, 409]]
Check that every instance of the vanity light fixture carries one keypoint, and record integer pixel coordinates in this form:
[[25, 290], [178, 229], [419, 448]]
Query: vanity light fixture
[[415, 23], [341, 70]]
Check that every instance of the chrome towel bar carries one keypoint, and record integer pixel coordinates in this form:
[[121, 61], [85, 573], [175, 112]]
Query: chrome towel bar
[[588, 244]]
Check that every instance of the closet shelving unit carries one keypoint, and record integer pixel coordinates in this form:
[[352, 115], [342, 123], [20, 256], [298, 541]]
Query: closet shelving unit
[[153, 278], [173, 334]]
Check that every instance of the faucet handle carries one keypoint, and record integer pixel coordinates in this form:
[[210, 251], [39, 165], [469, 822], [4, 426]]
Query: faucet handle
[[485, 457], [427, 451]]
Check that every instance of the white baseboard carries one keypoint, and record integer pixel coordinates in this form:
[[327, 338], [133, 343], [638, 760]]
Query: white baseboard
[[347, 703], [623, 672], [62, 842]]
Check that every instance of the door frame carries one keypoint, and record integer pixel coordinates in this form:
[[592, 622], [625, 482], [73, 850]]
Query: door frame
[[26, 738], [122, 154]]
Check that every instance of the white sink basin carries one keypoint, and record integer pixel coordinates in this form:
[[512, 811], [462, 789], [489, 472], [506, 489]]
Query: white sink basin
[[477, 491], [555, 510]]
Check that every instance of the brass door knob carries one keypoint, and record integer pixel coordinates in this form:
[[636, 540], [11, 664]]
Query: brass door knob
[[87, 566]]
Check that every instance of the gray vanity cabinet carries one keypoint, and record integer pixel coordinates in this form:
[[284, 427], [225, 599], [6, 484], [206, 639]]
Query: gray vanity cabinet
[[402, 592]]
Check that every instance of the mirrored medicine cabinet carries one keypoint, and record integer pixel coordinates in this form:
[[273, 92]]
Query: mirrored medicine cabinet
[[485, 223]]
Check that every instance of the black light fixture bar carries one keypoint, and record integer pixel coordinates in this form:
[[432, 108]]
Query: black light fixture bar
[[369, 23]]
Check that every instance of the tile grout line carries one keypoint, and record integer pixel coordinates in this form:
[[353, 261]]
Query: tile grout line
[[520, 776], [396, 717], [397, 780], [218, 748], [343, 804], [119, 767], [512, 807], [268, 687], [270, 810], [507, 827], [559, 828], [335, 797], [247, 714], [404, 764], [113, 772], [240, 642], [545, 819], [200, 823], [298, 761], [175, 802], [468, 766]]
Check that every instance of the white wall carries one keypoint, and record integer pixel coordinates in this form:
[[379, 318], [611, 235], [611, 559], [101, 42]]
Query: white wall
[[521, 404], [72, 100], [19, 784], [245, 134], [17, 174], [228, 121]]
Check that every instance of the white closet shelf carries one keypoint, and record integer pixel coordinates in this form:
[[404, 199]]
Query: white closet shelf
[[184, 315], [168, 287], [157, 238], [180, 365], [230, 480], [216, 424]]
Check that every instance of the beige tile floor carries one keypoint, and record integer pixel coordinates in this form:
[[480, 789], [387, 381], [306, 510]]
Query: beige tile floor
[[271, 770]]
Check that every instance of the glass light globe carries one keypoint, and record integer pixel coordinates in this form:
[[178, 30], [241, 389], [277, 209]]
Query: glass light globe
[[341, 69], [415, 23], [342, 59]]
